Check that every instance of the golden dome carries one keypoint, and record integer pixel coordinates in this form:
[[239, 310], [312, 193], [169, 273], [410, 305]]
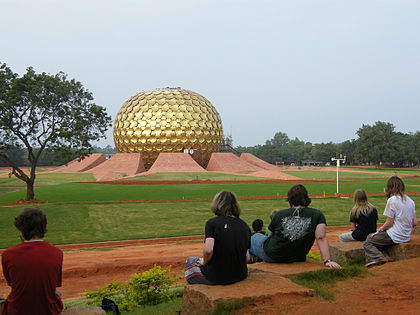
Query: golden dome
[[168, 120]]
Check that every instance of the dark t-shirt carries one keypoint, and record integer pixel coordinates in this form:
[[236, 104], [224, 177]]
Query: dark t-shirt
[[33, 270], [293, 234], [232, 238], [365, 225]]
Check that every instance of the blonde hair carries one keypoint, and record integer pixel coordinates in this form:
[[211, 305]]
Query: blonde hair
[[361, 205], [225, 203]]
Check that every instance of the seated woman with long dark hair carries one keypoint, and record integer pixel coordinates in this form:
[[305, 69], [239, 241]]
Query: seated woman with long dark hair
[[227, 240], [293, 232]]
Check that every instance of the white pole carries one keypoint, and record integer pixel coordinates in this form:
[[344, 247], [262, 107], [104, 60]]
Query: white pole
[[338, 165]]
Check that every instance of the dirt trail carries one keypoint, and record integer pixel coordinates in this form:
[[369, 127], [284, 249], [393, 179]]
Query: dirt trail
[[393, 288], [87, 266]]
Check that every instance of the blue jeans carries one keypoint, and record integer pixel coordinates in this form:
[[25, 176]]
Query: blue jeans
[[257, 247]]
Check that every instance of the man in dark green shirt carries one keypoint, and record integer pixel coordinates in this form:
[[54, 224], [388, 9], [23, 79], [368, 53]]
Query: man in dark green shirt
[[293, 232]]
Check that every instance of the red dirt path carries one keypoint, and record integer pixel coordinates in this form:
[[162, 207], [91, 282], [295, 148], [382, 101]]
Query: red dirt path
[[93, 264], [389, 289], [393, 288], [87, 266]]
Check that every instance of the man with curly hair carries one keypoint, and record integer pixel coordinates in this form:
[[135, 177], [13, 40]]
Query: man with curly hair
[[32, 268]]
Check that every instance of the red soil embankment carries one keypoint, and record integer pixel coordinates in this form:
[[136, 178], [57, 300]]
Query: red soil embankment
[[88, 266]]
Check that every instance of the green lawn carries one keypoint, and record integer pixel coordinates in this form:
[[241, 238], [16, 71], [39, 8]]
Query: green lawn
[[396, 171], [42, 180], [85, 212], [321, 175], [78, 192], [94, 222]]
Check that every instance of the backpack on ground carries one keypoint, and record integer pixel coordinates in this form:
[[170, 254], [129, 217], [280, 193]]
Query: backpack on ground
[[109, 305]]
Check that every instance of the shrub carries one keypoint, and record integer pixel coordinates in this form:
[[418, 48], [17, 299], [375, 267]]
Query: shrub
[[148, 288]]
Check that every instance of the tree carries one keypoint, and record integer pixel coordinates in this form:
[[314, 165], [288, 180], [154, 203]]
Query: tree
[[347, 148], [416, 140], [324, 151], [280, 139], [294, 151], [227, 145], [377, 143], [405, 153], [46, 112]]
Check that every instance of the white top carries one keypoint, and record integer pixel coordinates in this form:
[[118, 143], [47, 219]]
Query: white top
[[403, 212]]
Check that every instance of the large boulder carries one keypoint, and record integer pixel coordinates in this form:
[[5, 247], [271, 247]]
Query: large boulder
[[347, 251], [353, 251], [259, 285]]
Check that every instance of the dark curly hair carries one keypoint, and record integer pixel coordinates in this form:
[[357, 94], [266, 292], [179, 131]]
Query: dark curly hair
[[298, 196], [257, 225], [32, 222]]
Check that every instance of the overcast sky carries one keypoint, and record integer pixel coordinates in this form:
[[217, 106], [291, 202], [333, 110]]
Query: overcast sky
[[315, 70]]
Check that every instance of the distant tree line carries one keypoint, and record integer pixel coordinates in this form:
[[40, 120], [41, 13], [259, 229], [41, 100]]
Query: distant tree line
[[378, 144], [48, 158], [375, 145]]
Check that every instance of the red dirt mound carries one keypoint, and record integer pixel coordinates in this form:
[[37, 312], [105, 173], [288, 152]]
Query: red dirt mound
[[118, 166], [82, 165], [266, 169], [252, 159], [175, 162], [229, 162]]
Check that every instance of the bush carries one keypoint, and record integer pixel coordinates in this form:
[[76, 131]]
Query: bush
[[148, 288]]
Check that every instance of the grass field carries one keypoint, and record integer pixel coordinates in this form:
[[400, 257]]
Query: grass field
[[85, 212], [79, 192]]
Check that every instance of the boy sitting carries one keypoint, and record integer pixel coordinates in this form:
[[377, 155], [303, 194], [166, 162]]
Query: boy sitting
[[32, 268]]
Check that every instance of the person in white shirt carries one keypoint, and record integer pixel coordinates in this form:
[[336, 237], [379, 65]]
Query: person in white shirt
[[401, 216]]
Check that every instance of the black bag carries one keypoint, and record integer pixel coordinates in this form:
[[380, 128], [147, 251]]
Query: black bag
[[109, 305]]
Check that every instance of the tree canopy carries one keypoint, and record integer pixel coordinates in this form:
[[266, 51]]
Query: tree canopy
[[375, 144], [44, 112]]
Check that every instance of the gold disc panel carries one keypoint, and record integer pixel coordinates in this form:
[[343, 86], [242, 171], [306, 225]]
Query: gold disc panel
[[168, 120]]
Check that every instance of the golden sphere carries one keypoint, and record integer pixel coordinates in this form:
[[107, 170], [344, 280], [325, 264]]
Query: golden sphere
[[168, 120]]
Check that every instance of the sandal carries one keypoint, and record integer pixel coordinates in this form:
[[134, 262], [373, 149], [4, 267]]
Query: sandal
[[251, 259], [376, 263]]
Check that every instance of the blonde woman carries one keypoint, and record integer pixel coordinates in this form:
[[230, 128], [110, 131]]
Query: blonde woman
[[363, 218], [227, 239], [400, 212]]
